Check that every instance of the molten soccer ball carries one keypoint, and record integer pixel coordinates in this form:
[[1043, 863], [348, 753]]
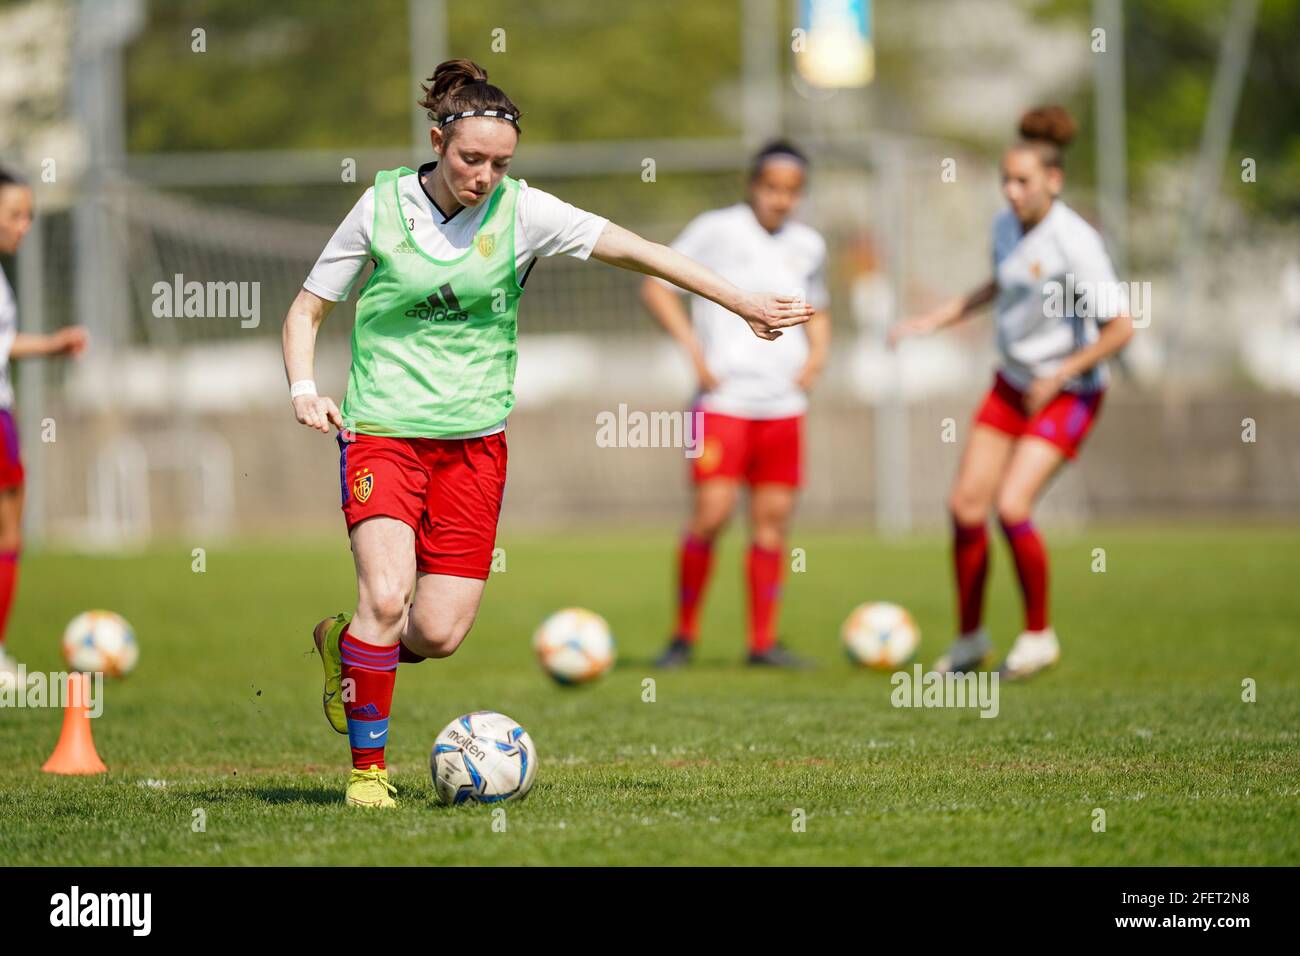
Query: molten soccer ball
[[574, 646], [880, 635], [483, 757], [100, 641]]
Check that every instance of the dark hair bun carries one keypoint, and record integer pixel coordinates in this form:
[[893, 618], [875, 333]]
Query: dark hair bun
[[1051, 124], [451, 75]]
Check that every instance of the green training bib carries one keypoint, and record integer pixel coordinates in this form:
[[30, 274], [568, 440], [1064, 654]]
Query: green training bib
[[434, 344]]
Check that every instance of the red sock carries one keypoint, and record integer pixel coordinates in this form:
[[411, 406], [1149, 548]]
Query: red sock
[[694, 562], [970, 558], [1031, 567], [372, 669], [764, 570], [8, 581]]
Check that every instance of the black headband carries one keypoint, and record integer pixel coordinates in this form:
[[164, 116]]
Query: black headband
[[499, 114]]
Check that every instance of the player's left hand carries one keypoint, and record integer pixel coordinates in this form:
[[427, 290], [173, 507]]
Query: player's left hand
[[71, 340], [768, 313], [1041, 391]]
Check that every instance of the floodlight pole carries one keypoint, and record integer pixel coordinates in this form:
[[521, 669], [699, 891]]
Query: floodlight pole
[[1229, 76], [760, 94], [33, 392], [428, 38], [892, 444], [1112, 181]]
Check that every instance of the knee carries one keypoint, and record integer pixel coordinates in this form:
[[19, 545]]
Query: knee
[[385, 605], [967, 509], [707, 525], [11, 542], [437, 639], [770, 530], [1014, 507]]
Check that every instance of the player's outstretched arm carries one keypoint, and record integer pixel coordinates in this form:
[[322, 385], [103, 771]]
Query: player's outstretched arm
[[69, 340], [949, 313], [301, 323], [765, 312]]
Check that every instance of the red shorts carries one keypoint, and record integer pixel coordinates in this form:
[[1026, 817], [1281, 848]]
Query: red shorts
[[448, 490], [759, 450], [11, 462], [1064, 421]]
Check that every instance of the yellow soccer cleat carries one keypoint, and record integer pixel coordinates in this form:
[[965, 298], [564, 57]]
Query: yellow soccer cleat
[[370, 788], [326, 635]]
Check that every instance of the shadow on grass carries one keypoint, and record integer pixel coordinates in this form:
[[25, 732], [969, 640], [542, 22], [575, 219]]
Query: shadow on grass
[[309, 794]]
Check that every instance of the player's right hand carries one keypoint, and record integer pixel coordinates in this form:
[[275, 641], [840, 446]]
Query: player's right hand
[[318, 412], [768, 313]]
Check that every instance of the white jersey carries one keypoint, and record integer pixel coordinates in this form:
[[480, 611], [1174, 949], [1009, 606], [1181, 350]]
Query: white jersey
[[756, 378], [8, 332], [1034, 333], [544, 226]]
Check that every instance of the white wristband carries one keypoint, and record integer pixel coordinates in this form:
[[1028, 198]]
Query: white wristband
[[302, 387]]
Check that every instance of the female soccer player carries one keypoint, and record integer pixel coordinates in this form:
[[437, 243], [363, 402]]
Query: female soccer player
[[752, 395], [422, 444], [1047, 392], [15, 219]]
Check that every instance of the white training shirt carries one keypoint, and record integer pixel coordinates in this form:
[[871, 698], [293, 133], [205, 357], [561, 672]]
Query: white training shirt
[[1064, 249], [8, 332], [756, 378], [544, 226]]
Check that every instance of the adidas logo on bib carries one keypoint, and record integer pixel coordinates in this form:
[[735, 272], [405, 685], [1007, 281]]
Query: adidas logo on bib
[[404, 246], [435, 309]]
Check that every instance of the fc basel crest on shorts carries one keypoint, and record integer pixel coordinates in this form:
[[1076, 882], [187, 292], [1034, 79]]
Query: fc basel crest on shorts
[[363, 484]]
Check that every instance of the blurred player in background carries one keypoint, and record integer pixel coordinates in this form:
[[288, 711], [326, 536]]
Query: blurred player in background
[[16, 210], [1047, 391], [752, 395], [423, 461]]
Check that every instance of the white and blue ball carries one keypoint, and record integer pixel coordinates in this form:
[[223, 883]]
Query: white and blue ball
[[483, 757]]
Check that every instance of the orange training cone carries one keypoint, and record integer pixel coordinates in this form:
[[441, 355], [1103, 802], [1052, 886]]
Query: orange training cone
[[75, 752]]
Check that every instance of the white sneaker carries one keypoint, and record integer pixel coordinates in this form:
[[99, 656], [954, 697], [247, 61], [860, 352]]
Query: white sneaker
[[1033, 651], [966, 654]]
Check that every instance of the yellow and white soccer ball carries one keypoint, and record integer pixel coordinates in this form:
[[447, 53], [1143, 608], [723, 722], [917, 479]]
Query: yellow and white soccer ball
[[574, 645], [880, 635], [100, 641]]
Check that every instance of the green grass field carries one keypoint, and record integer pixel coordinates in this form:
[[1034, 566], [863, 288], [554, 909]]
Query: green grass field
[[1143, 718]]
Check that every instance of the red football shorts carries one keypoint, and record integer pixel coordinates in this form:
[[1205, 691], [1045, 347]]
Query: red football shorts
[[1064, 421], [757, 450], [448, 490], [11, 462]]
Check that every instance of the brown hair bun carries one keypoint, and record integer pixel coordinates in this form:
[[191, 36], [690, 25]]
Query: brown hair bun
[[1050, 124]]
